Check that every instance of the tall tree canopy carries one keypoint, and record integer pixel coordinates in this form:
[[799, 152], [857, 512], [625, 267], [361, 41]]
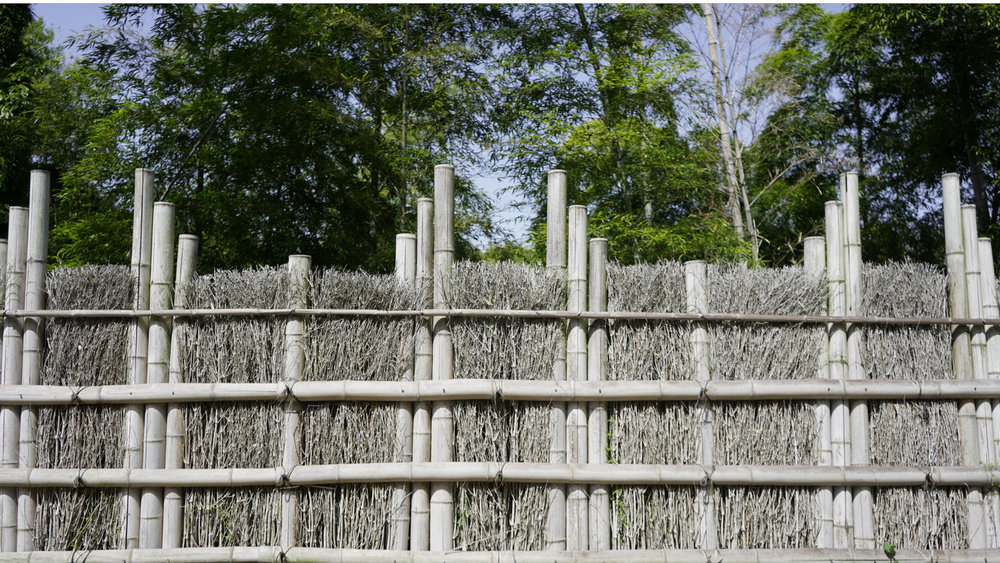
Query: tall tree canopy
[[25, 59], [314, 128], [591, 89], [281, 129]]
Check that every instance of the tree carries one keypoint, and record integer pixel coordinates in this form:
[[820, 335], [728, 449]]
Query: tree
[[281, 129], [590, 89], [920, 87], [25, 59]]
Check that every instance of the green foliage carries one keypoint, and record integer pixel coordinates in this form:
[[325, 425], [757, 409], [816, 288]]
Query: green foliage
[[590, 89], [25, 60], [920, 87], [275, 129]]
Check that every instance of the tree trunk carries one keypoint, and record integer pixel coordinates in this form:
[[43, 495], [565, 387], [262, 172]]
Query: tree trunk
[[727, 153], [741, 182]]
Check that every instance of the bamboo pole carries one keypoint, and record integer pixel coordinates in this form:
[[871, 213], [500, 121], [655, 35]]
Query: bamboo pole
[[442, 516], [577, 504], [814, 262], [504, 390], [422, 371], [269, 554], [299, 267], [984, 408], [33, 345], [973, 278], [173, 499], [988, 286], [597, 369], [690, 475], [864, 528], [743, 318], [142, 247], [961, 346], [17, 237], [406, 274], [555, 221], [843, 534], [696, 276], [555, 262], [157, 371]]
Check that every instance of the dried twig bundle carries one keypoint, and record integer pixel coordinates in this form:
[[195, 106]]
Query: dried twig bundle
[[358, 348], [765, 433], [510, 431], [77, 519], [773, 518], [919, 433], [346, 516], [236, 349], [653, 517], [505, 348], [218, 435], [921, 518], [81, 352], [231, 517], [500, 516], [644, 350], [348, 433], [653, 433], [906, 352], [744, 351]]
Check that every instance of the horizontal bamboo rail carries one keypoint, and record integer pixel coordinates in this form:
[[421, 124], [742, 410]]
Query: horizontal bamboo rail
[[504, 313], [267, 554], [496, 472], [504, 390]]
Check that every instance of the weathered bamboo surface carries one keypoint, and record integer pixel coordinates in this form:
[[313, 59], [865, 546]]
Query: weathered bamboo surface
[[268, 554], [503, 390], [496, 472], [503, 313]]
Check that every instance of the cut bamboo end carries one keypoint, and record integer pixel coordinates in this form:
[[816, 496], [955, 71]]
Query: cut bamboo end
[[555, 220]]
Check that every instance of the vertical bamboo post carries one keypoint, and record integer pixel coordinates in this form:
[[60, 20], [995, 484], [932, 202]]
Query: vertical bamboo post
[[406, 273], [157, 371], [299, 266], [17, 250], [840, 423], [988, 285], [961, 347], [577, 505], [814, 262], [173, 498], [555, 262], [696, 277], [142, 248], [597, 370], [422, 370], [864, 529], [984, 410], [33, 345], [442, 425]]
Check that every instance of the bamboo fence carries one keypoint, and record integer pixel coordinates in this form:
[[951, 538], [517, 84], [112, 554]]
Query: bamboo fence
[[499, 412]]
